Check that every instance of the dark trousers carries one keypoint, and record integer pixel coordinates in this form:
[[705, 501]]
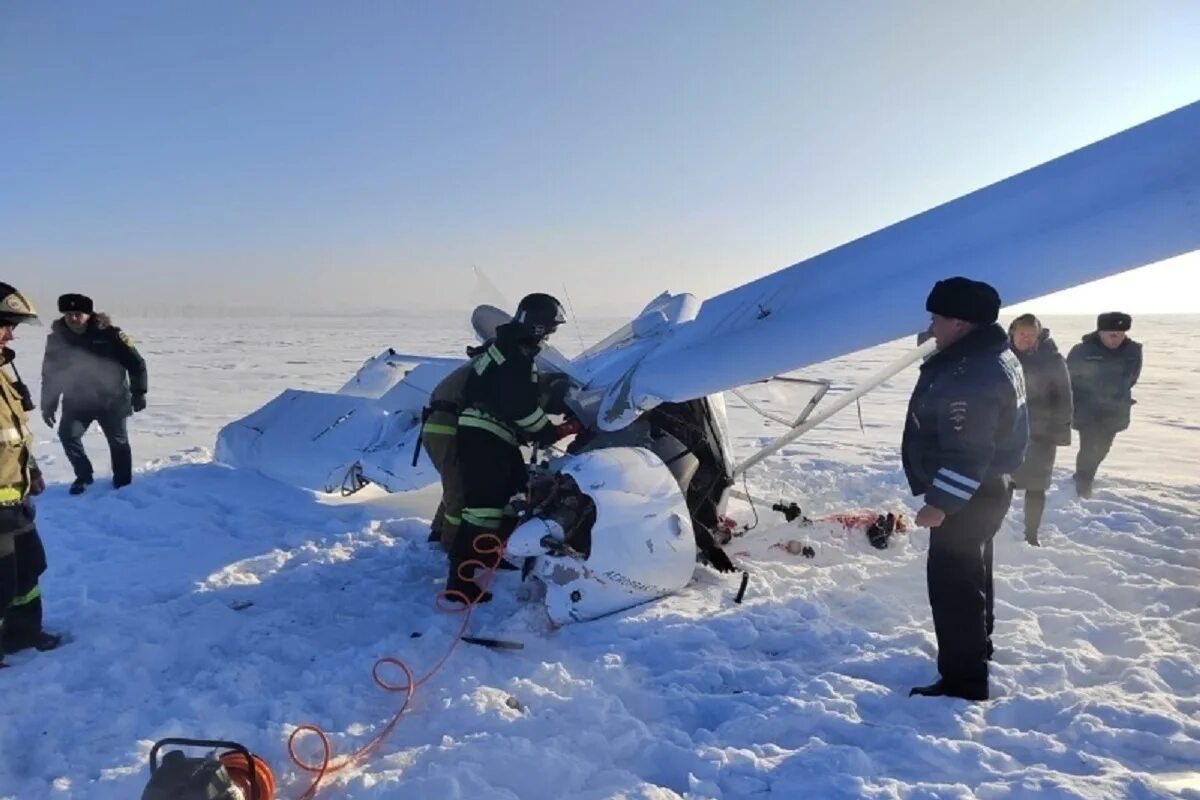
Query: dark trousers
[[959, 574], [1094, 445], [491, 471], [22, 561], [1035, 507], [74, 425]]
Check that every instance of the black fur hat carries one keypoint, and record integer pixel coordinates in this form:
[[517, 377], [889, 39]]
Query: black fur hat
[[1114, 321], [75, 302], [965, 299]]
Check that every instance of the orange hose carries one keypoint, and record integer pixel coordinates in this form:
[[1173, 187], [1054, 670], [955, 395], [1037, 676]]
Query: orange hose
[[239, 773], [465, 606]]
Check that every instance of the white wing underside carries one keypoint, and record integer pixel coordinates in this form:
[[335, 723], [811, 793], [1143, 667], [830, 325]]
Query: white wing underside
[[1124, 202]]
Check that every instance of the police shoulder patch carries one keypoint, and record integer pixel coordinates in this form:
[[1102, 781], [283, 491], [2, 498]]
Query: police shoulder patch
[[958, 414]]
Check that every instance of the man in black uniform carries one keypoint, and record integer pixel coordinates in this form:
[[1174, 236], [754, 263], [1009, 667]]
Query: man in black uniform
[[500, 411], [1104, 367], [86, 363], [965, 433]]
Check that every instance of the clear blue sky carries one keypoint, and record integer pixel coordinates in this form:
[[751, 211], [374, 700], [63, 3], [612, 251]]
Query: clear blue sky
[[364, 155]]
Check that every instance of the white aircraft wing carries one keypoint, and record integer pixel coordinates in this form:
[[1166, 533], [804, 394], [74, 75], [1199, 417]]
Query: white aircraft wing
[[1127, 201], [330, 442], [379, 374]]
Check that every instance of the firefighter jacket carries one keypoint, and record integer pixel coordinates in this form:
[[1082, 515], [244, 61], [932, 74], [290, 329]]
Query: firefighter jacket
[[17, 467], [501, 395]]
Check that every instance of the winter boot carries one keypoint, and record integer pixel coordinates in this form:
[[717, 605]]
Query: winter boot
[[40, 641], [943, 689], [79, 486], [460, 592]]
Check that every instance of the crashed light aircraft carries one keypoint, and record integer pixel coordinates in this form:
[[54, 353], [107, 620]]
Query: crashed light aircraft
[[612, 527]]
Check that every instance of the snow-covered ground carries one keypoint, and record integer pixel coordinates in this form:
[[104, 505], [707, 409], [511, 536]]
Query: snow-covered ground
[[801, 691]]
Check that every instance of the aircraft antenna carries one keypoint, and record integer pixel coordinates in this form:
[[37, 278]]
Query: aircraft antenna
[[575, 317]]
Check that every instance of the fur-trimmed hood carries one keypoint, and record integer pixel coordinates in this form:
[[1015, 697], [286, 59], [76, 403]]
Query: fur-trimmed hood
[[99, 321]]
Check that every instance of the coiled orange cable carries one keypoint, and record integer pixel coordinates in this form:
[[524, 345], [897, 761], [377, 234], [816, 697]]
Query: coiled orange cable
[[240, 773], [484, 547]]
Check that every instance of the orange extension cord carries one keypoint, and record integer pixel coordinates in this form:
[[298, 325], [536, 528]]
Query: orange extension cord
[[483, 547], [239, 772]]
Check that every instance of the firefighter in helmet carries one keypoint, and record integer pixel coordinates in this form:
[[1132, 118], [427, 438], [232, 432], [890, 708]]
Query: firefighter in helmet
[[501, 410], [22, 557]]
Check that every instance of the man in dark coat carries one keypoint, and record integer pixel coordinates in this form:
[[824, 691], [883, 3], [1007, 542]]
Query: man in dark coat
[[100, 376], [1048, 400], [1104, 368], [965, 433]]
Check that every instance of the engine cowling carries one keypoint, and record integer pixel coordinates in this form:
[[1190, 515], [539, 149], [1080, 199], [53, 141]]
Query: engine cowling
[[641, 546]]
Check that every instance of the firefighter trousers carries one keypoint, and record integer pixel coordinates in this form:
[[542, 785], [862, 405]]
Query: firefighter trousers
[[439, 438], [492, 471], [22, 562]]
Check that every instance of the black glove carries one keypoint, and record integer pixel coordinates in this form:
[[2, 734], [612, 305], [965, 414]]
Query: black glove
[[719, 560], [49, 417], [139, 402], [881, 530]]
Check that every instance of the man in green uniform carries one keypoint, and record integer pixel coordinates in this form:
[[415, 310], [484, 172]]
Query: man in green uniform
[[94, 368]]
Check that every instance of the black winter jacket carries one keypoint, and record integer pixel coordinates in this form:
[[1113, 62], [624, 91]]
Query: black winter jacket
[[1047, 392], [966, 419], [97, 369], [1102, 381]]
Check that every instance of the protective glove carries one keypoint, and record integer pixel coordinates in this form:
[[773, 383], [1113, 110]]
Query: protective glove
[[139, 402], [49, 417], [719, 560], [37, 484], [568, 428]]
